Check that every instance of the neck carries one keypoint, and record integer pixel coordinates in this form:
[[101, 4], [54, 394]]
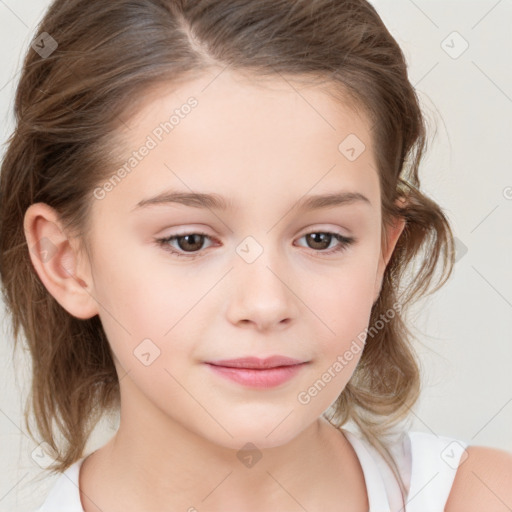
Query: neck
[[155, 463]]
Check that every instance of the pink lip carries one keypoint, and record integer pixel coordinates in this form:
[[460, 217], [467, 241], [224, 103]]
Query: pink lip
[[256, 362], [258, 373]]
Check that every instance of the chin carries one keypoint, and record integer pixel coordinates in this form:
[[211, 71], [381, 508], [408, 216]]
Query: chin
[[262, 434]]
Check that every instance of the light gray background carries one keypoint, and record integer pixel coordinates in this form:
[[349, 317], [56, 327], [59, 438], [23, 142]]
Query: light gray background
[[465, 329]]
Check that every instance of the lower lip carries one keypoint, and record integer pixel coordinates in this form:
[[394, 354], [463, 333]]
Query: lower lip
[[262, 379]]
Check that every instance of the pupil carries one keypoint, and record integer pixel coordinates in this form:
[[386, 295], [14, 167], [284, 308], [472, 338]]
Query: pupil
[[196, 245], [318, 236]]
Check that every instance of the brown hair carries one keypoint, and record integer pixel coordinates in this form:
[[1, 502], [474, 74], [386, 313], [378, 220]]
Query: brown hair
[[70, 104]]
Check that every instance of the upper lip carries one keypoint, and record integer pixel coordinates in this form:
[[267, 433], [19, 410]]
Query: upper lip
[[256, 362]]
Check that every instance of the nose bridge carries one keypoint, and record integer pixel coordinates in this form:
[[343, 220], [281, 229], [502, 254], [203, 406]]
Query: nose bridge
[[262, 292], [260, 259]]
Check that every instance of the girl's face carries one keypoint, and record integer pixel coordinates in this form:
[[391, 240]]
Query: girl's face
[[262, 280]]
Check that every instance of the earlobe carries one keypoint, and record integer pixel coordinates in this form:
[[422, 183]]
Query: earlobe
[[55, 261]]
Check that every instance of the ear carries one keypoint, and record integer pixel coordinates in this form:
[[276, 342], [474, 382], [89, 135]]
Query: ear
[[55, 259], [390, 235]]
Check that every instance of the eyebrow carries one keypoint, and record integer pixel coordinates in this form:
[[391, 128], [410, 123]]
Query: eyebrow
[[217, 202]]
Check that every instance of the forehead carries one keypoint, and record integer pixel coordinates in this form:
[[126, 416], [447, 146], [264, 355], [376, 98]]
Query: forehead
[[228, 99], [245, 138]]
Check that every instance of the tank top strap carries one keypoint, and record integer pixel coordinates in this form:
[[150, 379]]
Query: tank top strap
[[375, 487], [427, 463], [435, 460]]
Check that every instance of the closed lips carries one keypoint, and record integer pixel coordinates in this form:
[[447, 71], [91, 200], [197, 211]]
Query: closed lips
[[255, 363]]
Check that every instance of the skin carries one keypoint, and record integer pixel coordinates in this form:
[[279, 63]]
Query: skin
[[262, 146]]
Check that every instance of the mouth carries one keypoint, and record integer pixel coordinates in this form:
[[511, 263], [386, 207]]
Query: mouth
[[258, 373], [255, 363]]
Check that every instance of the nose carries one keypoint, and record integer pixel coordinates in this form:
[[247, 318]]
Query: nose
[[262, 293]]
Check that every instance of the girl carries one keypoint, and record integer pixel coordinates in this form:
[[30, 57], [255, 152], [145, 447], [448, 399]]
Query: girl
[[208, 211]]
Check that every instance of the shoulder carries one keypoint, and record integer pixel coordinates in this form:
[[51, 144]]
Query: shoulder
[[483, 482]]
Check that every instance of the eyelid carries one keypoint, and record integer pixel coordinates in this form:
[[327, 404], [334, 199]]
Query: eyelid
[[344, 242], [163, 242], [323, 228], [306, 231]]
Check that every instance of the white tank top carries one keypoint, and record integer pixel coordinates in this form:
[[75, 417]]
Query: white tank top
[[427, 463]]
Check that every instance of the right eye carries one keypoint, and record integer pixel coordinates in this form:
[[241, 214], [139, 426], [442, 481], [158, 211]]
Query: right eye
[[195, 240]]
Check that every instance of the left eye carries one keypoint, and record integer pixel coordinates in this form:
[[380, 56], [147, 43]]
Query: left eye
[[192, 242]]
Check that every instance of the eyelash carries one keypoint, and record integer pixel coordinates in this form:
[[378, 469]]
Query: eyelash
[[345, 242]]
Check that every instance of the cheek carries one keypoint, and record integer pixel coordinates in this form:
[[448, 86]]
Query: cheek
[[347, 299], [345, 308], [134, 305], [132, 290]]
